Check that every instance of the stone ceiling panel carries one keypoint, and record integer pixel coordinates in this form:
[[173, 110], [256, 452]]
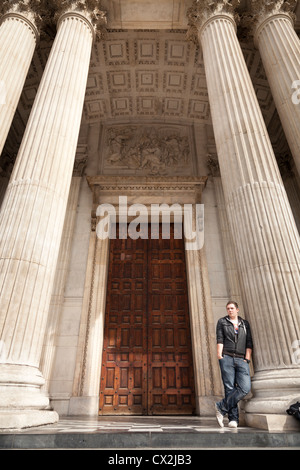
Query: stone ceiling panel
[[156, 73], [146, 73]]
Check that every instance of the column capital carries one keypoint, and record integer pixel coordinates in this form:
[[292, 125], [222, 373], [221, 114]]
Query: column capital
[[203, 11], [30, 11], [89, 10], [263, 11]]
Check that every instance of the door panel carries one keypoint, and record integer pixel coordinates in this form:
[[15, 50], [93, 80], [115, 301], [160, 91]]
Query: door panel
[[147, 356], [170, 370], [124, 364]]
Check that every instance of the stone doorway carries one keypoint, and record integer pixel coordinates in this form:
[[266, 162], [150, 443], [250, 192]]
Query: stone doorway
[[106, 189]]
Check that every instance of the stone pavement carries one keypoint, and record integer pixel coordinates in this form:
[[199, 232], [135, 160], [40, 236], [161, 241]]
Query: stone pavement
[[144, 433]]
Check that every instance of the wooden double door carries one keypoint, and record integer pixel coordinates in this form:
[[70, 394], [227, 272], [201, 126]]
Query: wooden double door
[[147, 365]]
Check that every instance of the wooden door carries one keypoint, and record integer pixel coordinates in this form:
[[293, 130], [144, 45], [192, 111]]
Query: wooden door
[[147, 356]]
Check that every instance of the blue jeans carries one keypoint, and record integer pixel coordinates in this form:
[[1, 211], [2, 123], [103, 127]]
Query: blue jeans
[[237, 383]]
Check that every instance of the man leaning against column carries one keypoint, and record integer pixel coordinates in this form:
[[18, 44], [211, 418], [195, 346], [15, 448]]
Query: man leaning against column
[[234, 349]]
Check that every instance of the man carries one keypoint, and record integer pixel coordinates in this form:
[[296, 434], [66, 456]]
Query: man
[[234, 349]]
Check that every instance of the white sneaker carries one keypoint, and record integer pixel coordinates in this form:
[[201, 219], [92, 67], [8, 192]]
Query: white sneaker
[[232, 424], [219, 416]]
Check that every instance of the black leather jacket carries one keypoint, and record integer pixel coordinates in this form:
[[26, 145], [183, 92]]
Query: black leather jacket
[[234, 344]]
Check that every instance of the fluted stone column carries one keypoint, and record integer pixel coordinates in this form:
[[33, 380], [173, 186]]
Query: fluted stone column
[[57, 296], [32, 216], [19, 32], [279, 47], [229, 253], [263, 229]]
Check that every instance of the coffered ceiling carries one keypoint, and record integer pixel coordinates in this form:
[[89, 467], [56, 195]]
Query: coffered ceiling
[[156, 74], [145, 69]]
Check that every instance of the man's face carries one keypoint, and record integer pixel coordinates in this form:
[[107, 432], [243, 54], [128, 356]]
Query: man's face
[[232, 311]]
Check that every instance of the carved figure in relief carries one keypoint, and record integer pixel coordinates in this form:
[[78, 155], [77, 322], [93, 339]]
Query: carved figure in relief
[[141, 149]]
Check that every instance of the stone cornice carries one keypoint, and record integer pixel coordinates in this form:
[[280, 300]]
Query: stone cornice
[[175, 183], [179, 187], [202, 11], [90, 10]]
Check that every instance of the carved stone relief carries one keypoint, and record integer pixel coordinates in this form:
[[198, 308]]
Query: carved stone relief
[[147, 150]]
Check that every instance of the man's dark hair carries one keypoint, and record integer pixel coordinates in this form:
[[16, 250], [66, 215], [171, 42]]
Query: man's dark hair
[[232, 302]]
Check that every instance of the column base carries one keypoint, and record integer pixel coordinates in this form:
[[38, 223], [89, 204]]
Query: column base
[[14, 420], [22, 403], [272, 422], [273, 392]]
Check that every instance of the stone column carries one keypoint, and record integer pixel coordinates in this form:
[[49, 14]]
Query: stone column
[[18, 36], [208, 386], [228, 248], [279, 47], [262, 226], [33, 212], [57, 296]]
